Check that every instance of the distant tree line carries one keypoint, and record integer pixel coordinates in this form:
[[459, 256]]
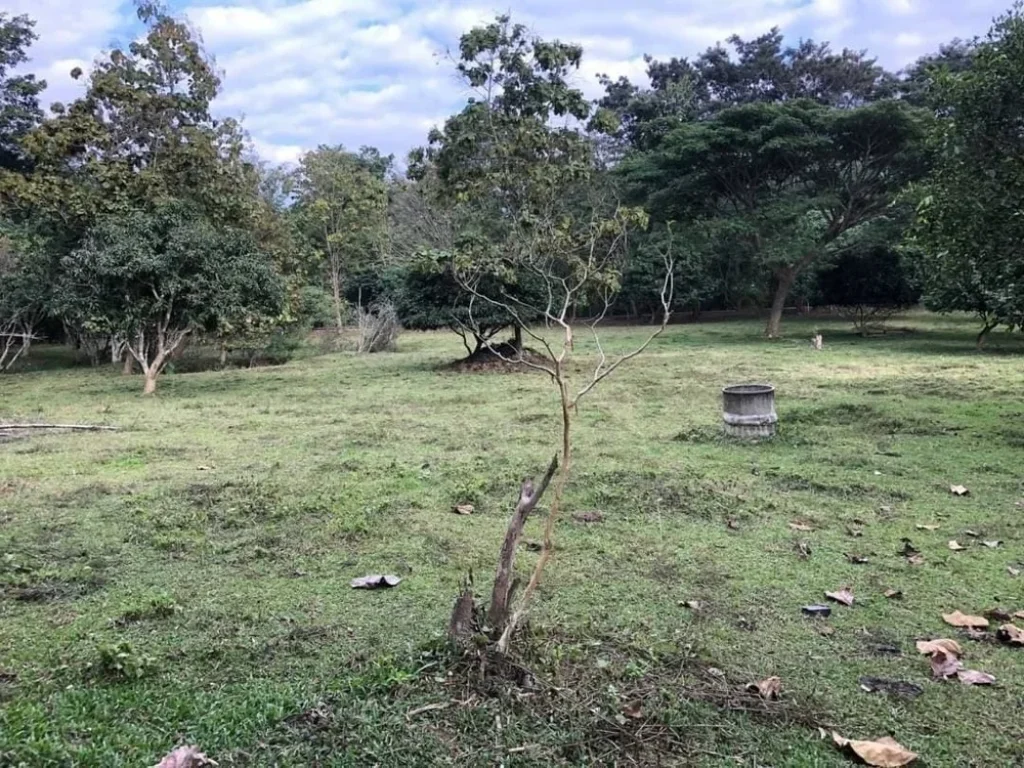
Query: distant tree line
[[134, 222]]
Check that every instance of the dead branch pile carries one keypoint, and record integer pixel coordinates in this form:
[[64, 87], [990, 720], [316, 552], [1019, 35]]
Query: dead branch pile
[[378, 328]]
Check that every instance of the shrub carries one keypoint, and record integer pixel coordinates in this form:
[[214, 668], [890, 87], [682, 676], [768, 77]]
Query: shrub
[[378, 327]]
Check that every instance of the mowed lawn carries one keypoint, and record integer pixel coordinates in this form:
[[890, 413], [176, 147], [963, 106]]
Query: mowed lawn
[[186, 578]]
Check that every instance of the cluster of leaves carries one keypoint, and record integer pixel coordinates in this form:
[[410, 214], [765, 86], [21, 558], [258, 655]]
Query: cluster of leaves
[[969, 224]]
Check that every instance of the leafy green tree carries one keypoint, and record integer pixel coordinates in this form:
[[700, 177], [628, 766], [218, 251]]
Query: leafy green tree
[[155, 277], [509, 173], [761, 70], [19, 93], [141, 134], [789, 183], [970, 222], [340, 207]]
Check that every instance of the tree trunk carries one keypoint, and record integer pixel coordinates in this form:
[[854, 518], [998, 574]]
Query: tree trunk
[[786, 277], [336, 288], [129, 364], [517, 340], [150, 386], [223, 356], [980, 341]]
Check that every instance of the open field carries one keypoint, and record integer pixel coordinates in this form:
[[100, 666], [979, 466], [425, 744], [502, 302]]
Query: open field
[[217, 532]]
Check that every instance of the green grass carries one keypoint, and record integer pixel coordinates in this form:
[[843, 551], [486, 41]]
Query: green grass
[[185, 579]]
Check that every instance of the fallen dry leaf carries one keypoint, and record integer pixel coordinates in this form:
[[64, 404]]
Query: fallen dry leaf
[[944, 664], [958, 490], [972, 677], [1010, 633], [977, 634], [882, 753], [800, 527], [1013, 571], [203, 468], [916, 560], [588, 517], [955, 545], [857, 559], [693, 605], [463, 509], [375, 581], [854, 532], [803, 549], [766, 689], [893, 594], [991, 544], [958, 619], [185, 757], [634, 709], [927, 526], [1019, 615], [732, 524], [842, 595], [972, 534], [931, 646]]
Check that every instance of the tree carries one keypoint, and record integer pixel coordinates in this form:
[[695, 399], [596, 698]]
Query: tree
[[340, 207], [19, 94], [154, 278], [539, 237], [761, 70], [503, 167], [970, 222], [788, 183]]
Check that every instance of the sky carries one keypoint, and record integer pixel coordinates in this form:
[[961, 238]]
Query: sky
[[302, 73]]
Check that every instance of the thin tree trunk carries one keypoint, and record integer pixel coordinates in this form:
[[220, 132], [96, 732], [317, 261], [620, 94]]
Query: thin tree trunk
[[223, 356], [149, 387], [501, 593], [518, 338], [980, 341], [129, 364], [336, 289], [786, 277]]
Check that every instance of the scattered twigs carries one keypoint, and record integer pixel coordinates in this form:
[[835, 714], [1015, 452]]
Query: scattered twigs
[[87, 427]]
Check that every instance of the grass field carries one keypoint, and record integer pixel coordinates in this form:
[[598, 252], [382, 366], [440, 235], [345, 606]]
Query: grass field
[[186, 579]]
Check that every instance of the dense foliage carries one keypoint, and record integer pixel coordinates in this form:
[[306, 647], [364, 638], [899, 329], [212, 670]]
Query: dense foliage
[[776, 172], [970, 222]]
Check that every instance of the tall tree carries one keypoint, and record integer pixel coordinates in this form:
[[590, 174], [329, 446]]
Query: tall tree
[[341, 207], [19, 93], [761, 70], [788, 182], [970, 222], [504, 161]]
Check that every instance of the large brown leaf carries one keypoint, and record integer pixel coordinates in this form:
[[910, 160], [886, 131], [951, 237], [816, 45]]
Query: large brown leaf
[[958, 619], [973, 677], [769, 688], [800, 527], [186, 757], [956, 546], [882, 753], [929, 647], [1010, 633], [842, 595], [945, 664]]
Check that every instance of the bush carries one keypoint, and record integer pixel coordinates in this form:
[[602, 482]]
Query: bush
[[378, 328], [869, 286], [121, 661]]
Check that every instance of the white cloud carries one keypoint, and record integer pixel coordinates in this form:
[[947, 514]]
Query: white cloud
[[306, 72]]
